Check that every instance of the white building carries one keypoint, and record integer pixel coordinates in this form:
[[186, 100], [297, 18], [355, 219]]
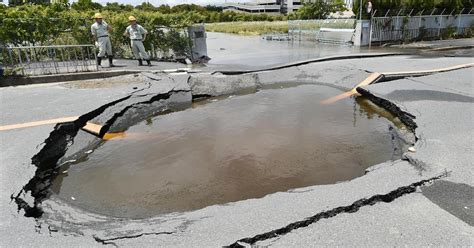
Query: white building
[[271, 6], [265, 6]]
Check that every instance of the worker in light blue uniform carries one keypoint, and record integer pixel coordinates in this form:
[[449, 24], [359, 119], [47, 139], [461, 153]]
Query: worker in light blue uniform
[[137, 35], [100, 31]]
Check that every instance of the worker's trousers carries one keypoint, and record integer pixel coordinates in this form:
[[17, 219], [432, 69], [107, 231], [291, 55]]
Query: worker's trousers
[[105, 46], [138, 49]]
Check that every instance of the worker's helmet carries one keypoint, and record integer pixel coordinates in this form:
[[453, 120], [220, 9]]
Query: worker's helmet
[[132, 18], [98, 16]]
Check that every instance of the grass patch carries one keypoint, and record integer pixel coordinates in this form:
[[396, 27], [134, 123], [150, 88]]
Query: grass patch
[[248, 28], [267, 27]]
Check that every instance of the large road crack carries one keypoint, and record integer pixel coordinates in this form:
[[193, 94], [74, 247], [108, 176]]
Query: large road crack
[[154, 98], [405, 117], [109, 240], [354, 207], [56, 145]]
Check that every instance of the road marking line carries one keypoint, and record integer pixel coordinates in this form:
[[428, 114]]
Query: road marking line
[[449, 48], [370, 79], [118, 135], [451, 68], [38, 123], [92, 128], [376, 76], [95, 128]]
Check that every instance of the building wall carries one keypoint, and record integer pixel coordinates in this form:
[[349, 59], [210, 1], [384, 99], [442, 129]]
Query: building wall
[[271, 6]]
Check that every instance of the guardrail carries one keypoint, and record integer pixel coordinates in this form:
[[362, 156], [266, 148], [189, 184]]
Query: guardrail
[[45, 60]]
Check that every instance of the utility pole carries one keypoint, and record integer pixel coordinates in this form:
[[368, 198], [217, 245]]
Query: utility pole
[[360, 10]]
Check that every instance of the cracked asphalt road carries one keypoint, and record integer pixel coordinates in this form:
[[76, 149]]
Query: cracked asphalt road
[[438, 213]]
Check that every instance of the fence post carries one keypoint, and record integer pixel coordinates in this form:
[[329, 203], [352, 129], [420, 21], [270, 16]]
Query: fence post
[[95, 59], [370, 33], [19, 58], [419, 23], [440, 23], [459, 21]]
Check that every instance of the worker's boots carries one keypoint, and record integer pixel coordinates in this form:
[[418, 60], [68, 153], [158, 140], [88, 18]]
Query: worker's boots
[[148, 62], [140, 62], [111, 60], [99, 61]]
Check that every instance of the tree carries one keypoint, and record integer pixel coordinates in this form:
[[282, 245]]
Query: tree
[[22, 2], [417, 5], [117, 7], [320, 9], [146, 7], [214, 8], [468, 4], [455, 5], [84, 5], [180, 8], [30, 25], [164, 8]]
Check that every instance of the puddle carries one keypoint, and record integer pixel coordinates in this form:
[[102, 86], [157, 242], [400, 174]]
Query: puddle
[[226, 150]]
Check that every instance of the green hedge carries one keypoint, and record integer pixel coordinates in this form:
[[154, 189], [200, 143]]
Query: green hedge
[[32, 24]]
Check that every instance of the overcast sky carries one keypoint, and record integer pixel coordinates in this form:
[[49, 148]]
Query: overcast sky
[[160, 2]]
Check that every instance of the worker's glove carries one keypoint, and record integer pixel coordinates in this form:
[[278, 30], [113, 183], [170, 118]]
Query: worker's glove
[[96, 44]]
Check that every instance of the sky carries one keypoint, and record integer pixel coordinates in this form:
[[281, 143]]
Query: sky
[[172, 2], [160, 2]]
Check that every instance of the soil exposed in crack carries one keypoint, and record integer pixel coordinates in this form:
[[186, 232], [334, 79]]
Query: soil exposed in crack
[[405, 117]]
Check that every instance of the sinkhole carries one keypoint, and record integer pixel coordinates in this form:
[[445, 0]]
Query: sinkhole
[[228, 149]]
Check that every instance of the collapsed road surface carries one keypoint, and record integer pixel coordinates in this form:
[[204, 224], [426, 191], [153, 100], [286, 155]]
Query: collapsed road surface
[[425, 198]]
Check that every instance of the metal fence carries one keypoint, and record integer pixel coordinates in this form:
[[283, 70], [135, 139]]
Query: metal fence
[[324, 30], [44, 60], [421, 27]]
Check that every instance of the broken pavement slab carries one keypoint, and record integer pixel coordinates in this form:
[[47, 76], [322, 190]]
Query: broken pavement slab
[[143, 103], [137, 106]]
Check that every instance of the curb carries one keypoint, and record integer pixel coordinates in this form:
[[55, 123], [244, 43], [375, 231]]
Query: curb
[[448, 48], [16, 81]]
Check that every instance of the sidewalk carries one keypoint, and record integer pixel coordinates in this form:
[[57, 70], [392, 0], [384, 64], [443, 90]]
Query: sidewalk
[[122, 67], [439, 44]]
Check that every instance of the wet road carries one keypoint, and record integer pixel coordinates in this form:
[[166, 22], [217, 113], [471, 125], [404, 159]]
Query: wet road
[[233, 149], [250, 51], [445, 144]]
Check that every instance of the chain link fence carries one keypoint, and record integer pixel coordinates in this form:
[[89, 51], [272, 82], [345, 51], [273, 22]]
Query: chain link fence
[[326, 30], [425, 25]]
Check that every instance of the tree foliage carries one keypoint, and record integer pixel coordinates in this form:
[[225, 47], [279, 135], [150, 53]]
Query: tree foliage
[[85, 5], [59, 24], [417, 5], [319, 9]]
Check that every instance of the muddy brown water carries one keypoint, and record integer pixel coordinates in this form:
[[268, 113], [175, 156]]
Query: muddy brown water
[[227, 150]]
